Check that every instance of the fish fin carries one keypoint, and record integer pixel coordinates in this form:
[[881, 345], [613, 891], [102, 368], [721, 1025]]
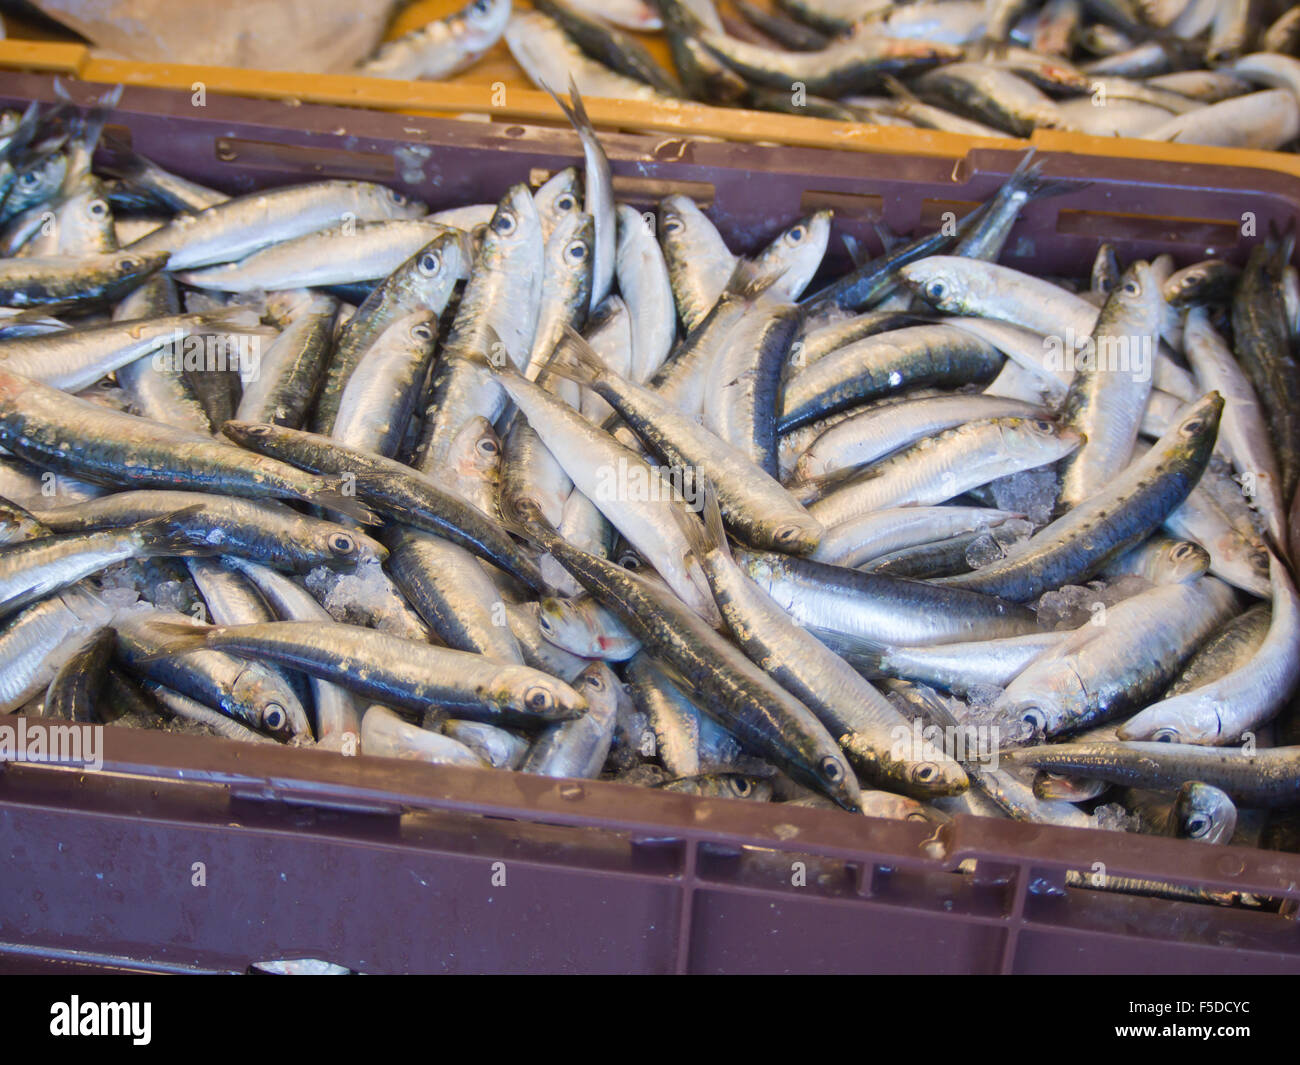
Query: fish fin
[[332, 495], [889, 240], [168, 534], [850, 643], [708, 535], [176, 638], [526, 521], [575, 111], [118, 159], [713, 518], [1028, 175], [697, 536], [19, 509], [747, 283], [898, 90], [856, 252], [574, 359], [497, 356], [245, 319]]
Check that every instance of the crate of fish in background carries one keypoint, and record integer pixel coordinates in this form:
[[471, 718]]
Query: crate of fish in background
[[932, 78], [767, 490]]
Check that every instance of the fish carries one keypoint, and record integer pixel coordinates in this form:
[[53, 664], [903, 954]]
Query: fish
[[441, 47]]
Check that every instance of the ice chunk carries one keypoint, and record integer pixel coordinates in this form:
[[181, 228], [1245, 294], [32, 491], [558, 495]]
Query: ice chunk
[[1031, 493], [1114, 818], [983, 550], [1069, 606]]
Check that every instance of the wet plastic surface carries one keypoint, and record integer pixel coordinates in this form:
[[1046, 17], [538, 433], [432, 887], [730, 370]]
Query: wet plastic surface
[[196, 854]]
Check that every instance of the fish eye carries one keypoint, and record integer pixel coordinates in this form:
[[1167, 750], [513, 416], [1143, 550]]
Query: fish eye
[[1035, 717], [488, 446], [741, 786], [936, 289], [673, 224], [544, 623], [795, 234], [1193, 427], [538, 698], [422, 332], [30, 179], [430, 263], [342, 544], [831, 769], [97, 209], [398, 198], [785, 534], [596, 681], [1043, 425], [274, 717], [1184, 550], [630, 561], [504, 223], [1197, 826], [925, 772], [128, 264], [1132, 287], [576, 251], [1168, 734], [915, 815], [481, 7], [565, 202]]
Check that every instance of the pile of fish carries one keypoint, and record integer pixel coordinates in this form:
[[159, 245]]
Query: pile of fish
[[1218, 72], [552, 486]]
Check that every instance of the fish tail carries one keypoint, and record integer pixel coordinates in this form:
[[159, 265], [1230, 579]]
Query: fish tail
[[574, 359], [1028, 175], [171, 534], [177, 638], [336, 495]]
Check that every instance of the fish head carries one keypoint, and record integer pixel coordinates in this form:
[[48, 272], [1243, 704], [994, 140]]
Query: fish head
[[1204, 813], [128, 264], [1183, 560], [278, 709], [1196, 433], [394, 204], [536, 695], [940, 282], [475, 453], [1141, 291], [1066, 788], [835, 778], [558, 197], [743, 786], [562, 624], [484, 21], [600, 686], [1187, 718], [432, 272], [799, 535], [569, 249], [677, 215], [515, 224], [1038, 438], [344, 548], [1032, 707], [893, 807]]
